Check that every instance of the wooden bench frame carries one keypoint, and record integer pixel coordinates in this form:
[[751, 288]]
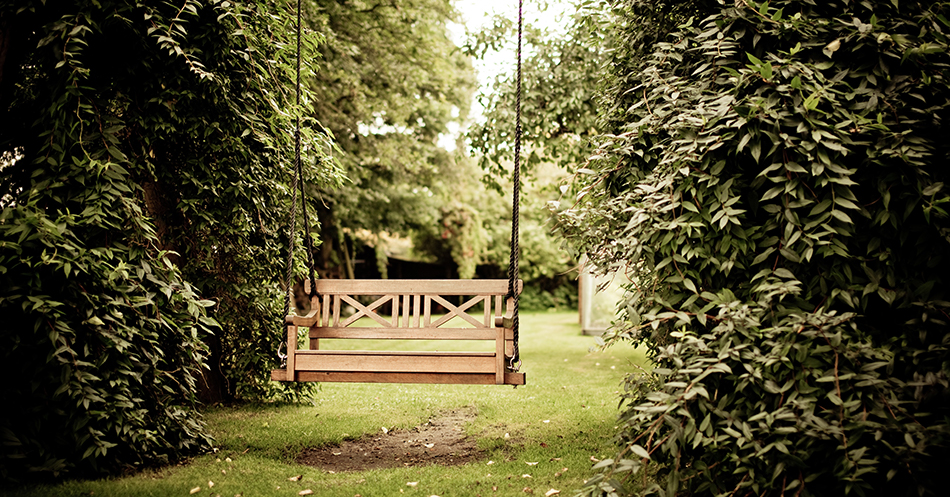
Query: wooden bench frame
[[411, 319]]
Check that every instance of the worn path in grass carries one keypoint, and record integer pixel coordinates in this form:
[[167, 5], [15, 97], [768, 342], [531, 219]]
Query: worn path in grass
[[532, 439], [440, 440]]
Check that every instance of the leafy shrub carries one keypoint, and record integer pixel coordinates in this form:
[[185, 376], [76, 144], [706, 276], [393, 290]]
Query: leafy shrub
[[562, 296], [145, 159], [101, 347], [776, 180]]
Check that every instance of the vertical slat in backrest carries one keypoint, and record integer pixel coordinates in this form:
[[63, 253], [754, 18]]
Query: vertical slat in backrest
[[326, 317], [427, 309], [406, 308], [336, 310], [395, 306], [416, 305]]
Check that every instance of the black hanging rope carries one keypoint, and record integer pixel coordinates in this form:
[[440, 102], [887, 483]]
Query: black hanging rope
[[296, 185], [515, 362], [303, 198], [308, 239]]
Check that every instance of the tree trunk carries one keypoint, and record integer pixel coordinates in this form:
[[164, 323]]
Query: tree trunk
[[347, 261], [157, 205], [212, 385]]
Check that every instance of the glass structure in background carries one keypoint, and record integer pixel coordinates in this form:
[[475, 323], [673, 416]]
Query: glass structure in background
[[598, 297]]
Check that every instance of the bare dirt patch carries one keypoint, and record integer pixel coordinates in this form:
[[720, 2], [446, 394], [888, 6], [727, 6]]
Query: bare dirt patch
[[439, 441]]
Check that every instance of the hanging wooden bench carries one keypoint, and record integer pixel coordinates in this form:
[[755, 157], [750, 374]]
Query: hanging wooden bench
[[411, 319]]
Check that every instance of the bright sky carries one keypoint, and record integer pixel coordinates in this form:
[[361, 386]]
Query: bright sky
[[477, 14]]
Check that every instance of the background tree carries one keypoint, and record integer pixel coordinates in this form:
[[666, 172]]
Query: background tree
[[561, 78], [391, 83], [549, 271], [146, 155], [775, 188], [391, 86]]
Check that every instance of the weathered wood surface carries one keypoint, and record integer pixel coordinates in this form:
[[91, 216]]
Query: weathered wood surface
[[410, 318], [373, 377], [407, 334], [418, 287], [395, 362], [411, 303]]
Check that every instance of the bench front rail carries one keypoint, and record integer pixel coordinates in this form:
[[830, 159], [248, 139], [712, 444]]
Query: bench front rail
[[411, 318]]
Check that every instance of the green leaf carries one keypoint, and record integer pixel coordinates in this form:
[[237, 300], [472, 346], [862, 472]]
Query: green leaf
[[841, 216], [756, 150], [847, 204], [744, 141], [820, 207], [640, 451], [772, 193]]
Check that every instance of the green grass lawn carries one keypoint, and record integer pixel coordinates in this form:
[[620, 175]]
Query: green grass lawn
[[563, 417]]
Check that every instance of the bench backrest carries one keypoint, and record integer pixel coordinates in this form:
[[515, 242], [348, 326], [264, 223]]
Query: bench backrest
[[411, 314]]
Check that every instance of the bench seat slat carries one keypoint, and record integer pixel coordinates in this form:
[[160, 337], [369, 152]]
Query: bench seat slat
[[410, 353], [408, 333], [395, 362], [373, 377]]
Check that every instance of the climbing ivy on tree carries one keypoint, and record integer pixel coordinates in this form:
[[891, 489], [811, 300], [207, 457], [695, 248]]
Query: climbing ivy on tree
[[147, 151], [775, 186]]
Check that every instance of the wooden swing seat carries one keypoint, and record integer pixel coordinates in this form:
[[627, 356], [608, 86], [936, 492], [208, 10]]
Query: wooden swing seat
[[411, 319]]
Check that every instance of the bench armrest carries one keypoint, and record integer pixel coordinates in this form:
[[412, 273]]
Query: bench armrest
[[507, 321], [304, 321]]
